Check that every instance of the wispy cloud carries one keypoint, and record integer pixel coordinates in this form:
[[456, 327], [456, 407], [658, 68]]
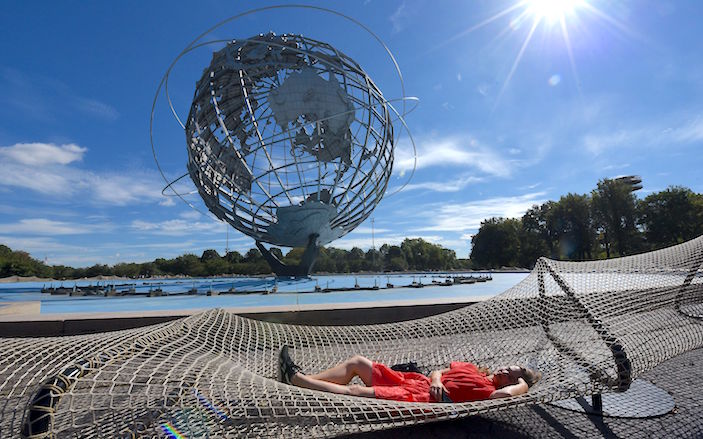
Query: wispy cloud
[[38, 154], [178, 227], [453, 185], [688, 132], [40, 97], [400, 17], [646, 135], [461, 217], [43, 226], [367, 230], [46, 168], [95, 108], [36, 245], [453, 151]]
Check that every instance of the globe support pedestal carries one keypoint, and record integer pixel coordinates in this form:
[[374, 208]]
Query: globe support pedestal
[[301, 270], [642, 400]]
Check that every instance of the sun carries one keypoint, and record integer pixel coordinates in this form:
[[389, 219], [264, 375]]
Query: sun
[[525, 17], [553, 10]]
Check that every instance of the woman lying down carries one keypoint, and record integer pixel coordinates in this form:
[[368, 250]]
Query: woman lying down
[[460, 382]]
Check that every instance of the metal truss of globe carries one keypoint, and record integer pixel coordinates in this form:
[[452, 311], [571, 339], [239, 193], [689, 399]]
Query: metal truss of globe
[[288, 137]]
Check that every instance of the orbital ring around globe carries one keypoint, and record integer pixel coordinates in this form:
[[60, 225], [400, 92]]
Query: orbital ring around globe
[[288, 138], [195, 45]]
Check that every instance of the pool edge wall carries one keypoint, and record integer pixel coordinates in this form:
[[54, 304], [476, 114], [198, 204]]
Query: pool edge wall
[[48, 325]]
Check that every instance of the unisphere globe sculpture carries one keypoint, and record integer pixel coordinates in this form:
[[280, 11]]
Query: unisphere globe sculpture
[[289, 140]]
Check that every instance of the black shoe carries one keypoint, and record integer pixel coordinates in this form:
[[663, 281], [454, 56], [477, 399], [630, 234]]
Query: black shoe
[[286, 367]]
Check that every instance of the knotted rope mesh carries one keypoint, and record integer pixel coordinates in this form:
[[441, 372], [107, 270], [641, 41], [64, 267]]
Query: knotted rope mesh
[[589, 327]]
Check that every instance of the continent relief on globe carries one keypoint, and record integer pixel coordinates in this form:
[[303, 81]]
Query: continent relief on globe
[[306, 95], [269, 122]]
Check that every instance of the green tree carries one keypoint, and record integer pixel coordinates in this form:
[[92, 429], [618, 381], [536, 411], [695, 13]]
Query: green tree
[[570, 220], [423, 255], [234, 257], [209, 254], [614, 208], [189, 265], [671, 216], [98, 270], [395, 254], [355, 260], [373, 261], [533, 237], [253, 256], [324, 263], [216, 266], [496, 244], [294, 256], [397, 263], [126, 270]]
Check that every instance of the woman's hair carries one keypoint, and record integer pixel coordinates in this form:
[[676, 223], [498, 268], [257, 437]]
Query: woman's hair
[[530, 376]]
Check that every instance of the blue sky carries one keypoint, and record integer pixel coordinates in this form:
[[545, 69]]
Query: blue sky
[[78, 184]]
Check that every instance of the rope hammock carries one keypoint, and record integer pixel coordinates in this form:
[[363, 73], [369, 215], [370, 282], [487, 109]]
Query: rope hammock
[[589, 327]]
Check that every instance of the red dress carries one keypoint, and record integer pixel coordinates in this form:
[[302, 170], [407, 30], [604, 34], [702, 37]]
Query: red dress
[[463, 382]]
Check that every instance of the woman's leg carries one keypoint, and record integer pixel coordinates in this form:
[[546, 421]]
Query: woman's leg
[[309, 382], [344, 372]]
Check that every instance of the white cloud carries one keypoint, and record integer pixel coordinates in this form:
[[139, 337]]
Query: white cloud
[[125, 189], [596, 144], [96, 108], [49, 181], [452, 151], [177, 227], [656, 134], [190, 215], [43, 226], [468, 216], [41, 97], [616, 166], [530, 186], [367, 230], [400, 17], [40, 154], [453, 185], [691, 132], [46, 168], [45, 247]]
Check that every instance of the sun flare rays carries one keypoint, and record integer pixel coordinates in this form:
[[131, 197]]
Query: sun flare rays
[[548, 15]]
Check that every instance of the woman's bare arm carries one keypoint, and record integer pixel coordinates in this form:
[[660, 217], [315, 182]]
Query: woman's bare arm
[[436, 386], [512, 390], [436, 375]]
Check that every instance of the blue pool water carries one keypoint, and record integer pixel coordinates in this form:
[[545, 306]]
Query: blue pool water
[[289, 292]]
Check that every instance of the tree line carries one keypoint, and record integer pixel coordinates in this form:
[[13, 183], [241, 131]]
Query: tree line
[[411, 254], [609, 222]]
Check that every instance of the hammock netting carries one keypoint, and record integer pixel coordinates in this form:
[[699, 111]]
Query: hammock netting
[[589, 327]]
